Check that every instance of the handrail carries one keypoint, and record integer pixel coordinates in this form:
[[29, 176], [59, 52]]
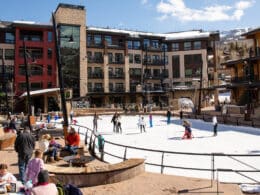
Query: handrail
[[91, 139]]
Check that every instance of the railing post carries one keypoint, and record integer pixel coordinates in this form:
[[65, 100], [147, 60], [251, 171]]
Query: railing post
[[94, 144], [212, 168], [217, 183], [125, 153], [162, 167], [89, 147], [86, 138]]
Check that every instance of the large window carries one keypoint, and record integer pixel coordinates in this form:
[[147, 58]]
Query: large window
[[49, 70], [137, 45], [146, 43], [9, 54], [49, 36], [131, 58], [192, 65], [9, 37], [129, 44], [108, 40], [176, 66], [175, 47], [197, 45], [137, 58], [29, 35], [187, 46], [97, 39], [155, 43]]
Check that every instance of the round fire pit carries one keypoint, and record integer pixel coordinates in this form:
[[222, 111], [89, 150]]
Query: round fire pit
[[78, 161]]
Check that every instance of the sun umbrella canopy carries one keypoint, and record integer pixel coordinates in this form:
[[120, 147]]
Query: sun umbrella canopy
[[185, 103]]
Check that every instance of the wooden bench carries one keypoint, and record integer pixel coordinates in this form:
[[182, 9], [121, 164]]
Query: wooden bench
[[6, 139]]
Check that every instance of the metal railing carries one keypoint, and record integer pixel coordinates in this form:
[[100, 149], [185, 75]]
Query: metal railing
[[99, 151]]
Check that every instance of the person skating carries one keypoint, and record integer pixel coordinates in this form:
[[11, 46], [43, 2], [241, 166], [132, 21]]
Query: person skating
[[113, 120], [118, 124], [187, 132], [95, 121], [168, 114], [215, 125], [142, 124], [151, 120]]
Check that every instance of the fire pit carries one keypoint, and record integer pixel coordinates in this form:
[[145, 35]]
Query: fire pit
[[77, 160]]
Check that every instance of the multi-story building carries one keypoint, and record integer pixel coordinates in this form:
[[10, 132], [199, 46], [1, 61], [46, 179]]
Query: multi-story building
[[245, 74], [111, 66]]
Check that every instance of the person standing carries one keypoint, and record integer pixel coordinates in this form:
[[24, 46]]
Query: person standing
[[24, 146], [71, 115], [142, 124], [113, 120], [187, 131], [95, 123], [151, 120], [35, 165], [118, 124], [215, 125], [168, 114]]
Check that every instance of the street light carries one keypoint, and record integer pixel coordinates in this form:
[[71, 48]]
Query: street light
[[249, 78], [61, 83], [27, 86]]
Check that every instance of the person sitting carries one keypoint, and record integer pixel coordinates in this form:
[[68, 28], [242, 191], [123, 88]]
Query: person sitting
[[187, 132], [33, 168], [43, 186], [53, 150], [44, 142], [5, 175], [72, 141]]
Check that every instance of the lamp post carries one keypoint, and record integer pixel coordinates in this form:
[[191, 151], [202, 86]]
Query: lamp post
[[249, 77], [60, 76], [27, 86], [200, 88]]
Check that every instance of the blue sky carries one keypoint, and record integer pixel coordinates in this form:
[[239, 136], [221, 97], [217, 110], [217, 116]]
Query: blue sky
[[145, 15]]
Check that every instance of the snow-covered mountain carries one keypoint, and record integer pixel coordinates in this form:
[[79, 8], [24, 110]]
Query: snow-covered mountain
[[233, 35]]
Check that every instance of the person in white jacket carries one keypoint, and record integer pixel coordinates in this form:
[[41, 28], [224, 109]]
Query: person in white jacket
[[142, 124], [215, 125]]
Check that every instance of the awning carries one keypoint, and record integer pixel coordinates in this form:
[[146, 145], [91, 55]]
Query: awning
[[40, 92]]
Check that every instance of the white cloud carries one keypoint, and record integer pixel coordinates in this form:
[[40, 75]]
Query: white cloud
[[178, 9]]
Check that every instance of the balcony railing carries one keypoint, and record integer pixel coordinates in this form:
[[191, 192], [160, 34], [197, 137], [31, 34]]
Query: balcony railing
[[116, 76], [95, 60], [113, 61], [117, 89], [95, 45], [96, 90], [154, 62], [96, 75]]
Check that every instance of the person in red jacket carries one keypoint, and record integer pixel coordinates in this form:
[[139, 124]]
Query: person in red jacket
[[72, 141]]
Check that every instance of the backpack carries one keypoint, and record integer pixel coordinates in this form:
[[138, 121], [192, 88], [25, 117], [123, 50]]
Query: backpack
[[72, 190], [68, 189]]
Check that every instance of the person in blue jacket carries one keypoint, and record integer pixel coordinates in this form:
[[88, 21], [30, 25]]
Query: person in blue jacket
[[169, 114]]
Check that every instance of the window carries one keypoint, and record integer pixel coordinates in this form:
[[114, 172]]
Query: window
[[108, 40], [36, 86], [49, 36], [111, 87], [131, 58], [146, 43], [192, 65], [164, 47], [155, 43], [98, 87], [137, 58], [89, 87], [187, 46], [137, 45], [9, 37], [197, 45], [9, 54], [21, 70], [119, 87], [49, 53], [89, 54], [89, 39], [129, 44], [98, 55], [110, 57], [97, 39], [22, 86], [135, 72], [175, 47], [119, 72], [156, 73], [49, 70], [49, 84], [176, 66], [118, 57], [1, 53], [36, 70]]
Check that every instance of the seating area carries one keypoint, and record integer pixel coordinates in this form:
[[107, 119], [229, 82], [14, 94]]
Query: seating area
[[6, 139]]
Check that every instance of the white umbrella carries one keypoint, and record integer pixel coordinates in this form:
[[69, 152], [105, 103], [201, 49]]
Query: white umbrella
[[185, 103]]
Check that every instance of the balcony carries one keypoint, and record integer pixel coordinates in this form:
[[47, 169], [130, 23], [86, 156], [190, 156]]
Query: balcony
[[116, 46], [116, 76], [114, 61], [93, 44], [96, 75], [95, 60], [154, 62], [96, 90], [117, 90]]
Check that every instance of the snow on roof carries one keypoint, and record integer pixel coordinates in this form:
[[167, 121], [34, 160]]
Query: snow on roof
[[41, 91], [168, 36], [24, 22]]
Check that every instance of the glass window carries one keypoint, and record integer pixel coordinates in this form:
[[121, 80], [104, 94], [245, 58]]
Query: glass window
[[137, 58], [49, 85], [176, 66], [111, 86], [192, 65], [89, 39], [22, 86], [108, 40], [97, 39], [175, 47], [119, 57], [137, 45], [110, 57], [164, 47], [98, 55], [36, 70], [49, 70], [89, 87], [197, 45], [155, 43], [49, 53], [89, 54], [9, 54], [146, 43], [129, 44], [131, 58], [21, 70], [1, 53], [36, 86], [187, 45], [49, 36], [9, 37]]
